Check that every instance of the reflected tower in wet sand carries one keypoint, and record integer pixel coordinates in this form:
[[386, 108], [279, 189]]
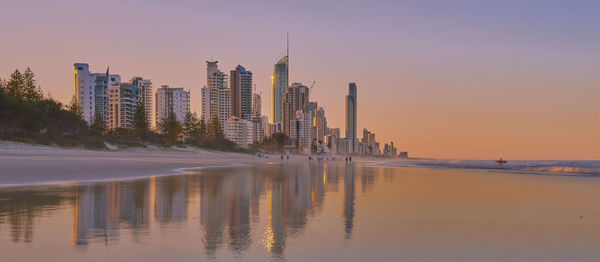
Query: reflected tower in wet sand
[[349, 195]]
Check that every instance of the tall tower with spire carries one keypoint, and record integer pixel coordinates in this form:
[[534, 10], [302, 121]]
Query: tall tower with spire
[[279, 83], [351, 117]]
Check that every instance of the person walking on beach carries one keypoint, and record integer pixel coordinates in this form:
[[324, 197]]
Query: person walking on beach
[[288, 157], [350, 159], [346, 159], [281, 157]]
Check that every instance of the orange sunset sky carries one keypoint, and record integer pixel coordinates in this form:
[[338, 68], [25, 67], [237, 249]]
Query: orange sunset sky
[[442, 79]]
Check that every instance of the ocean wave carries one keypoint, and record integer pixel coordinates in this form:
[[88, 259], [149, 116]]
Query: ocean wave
[[553, 167]]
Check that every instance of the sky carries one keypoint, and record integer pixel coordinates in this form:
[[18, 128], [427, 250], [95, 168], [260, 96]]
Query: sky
[[466, 79]]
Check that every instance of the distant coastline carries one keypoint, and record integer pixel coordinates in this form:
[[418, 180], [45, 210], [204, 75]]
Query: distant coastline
[[540, 167]]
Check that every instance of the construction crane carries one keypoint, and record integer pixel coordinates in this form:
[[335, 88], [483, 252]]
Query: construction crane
[[312, 87]]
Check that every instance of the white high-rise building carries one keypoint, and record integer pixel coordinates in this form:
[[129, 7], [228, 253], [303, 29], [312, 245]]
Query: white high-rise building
[[256, 104], [216, 96], [295, 98], [320, 123], [300, 129], [171, 100], [239, 131], [122, 105], [206, 105], [258, 131], [91, 91], [224, 106], [142, 88], [266, 126]]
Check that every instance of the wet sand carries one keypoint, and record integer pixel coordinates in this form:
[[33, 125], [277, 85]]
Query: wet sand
[[307, 212]]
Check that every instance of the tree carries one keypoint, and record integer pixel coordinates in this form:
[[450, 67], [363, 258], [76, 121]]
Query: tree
[[97, 127], [31, 91], [74, 107], [191, 126], [170, 127], [140, 120], [215, 128], [2, 84], [275, 142], [202, 130], [14, 86]]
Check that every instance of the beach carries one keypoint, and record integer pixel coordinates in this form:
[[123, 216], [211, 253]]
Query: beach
[[22, 164], [254, 209]]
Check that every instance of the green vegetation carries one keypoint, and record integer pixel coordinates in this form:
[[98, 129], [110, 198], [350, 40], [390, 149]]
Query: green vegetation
[[196, 134], [27, 116], [274, 143], [140, 121], [170, 128]]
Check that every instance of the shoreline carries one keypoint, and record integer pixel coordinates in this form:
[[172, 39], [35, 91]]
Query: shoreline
[[23, 164], [28, 165], [176, 172]]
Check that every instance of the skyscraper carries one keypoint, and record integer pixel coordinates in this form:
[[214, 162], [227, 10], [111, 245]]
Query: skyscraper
[[351, 117], [240, 82], [122, 105], [216, 97], [142, 88], [239, 131], [320, 122], [369, 141], [295, 99], [300, 130], [91, 91], [172, 100], [256, 104], [279, 83]]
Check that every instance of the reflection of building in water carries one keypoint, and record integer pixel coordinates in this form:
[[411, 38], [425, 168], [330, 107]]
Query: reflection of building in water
[[135, 205], [96, 213], [21, 225], [292, 196], [349, 195], [367, 181], [239, 213], [213, 210], [100, 209], [20, 208], [228, 204], [332, 179], [274, 239], [296, 190], [256, 190], [170, 203], [317, 182]]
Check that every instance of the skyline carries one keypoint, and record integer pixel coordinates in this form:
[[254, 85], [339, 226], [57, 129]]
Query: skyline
[[511, 85]]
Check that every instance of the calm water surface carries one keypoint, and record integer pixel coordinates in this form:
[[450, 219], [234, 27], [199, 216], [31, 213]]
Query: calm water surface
[[302, 212]]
